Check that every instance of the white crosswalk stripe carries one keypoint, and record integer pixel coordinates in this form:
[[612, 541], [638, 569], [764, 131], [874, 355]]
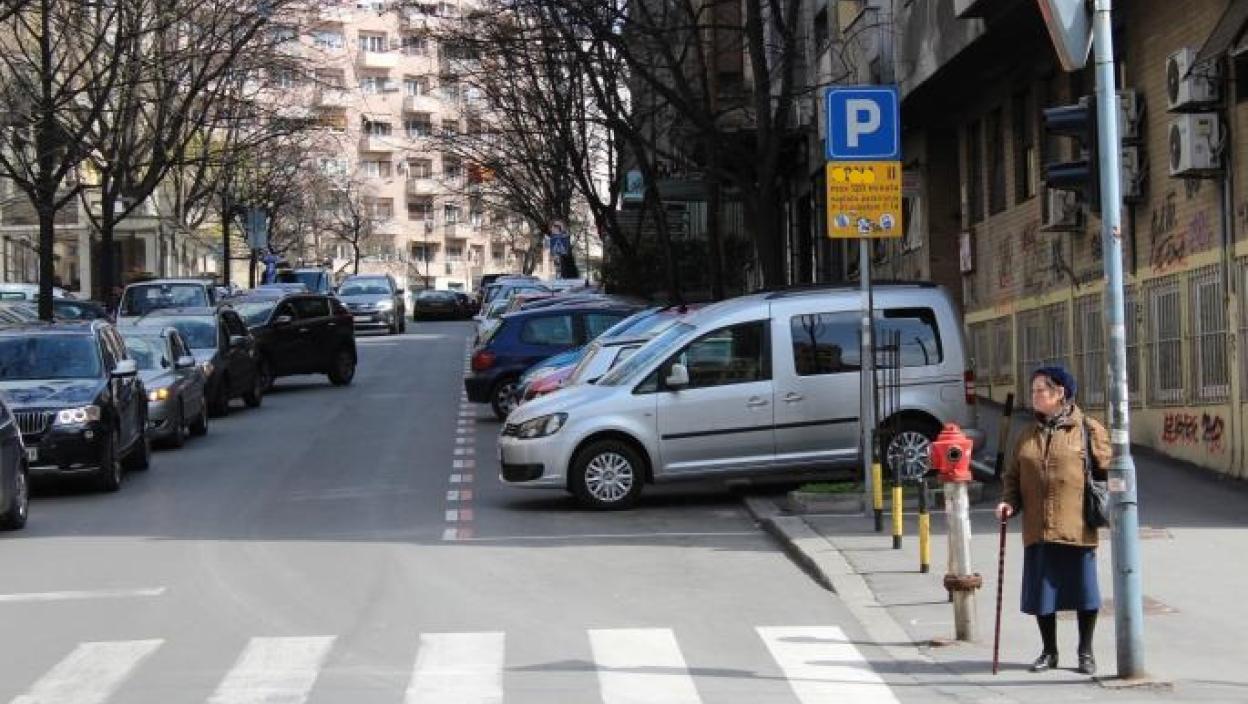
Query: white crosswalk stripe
[[90, 674], [632, 666], [822, 665], [274, 671], [458, 668], [641, 666]]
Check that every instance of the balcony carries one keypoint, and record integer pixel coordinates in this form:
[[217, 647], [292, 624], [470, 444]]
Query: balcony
[[333, 98], [333, 15], [421, 103], [421, 187], [380, 60], [377, 143]]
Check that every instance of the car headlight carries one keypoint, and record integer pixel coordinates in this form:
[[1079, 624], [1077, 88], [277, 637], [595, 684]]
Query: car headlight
[[207, 367], [385, 305], [160, 394], [77, 416], [542, 426]]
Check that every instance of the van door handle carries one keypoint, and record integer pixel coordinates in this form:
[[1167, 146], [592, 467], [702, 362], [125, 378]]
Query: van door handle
[[793, 397], [303, 329], [756, 402]]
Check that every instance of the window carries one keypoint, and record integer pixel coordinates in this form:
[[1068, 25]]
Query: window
[[420, 126], [420, 209], [454, 252], [995, 128], [371, 84], [974, 173], [331, 166], [452, 170], [376, 169], [377, 129], [283, 33], [1090, 354], [450, 214], [415, 45], [330, 79], [422, 252], [416, 86], [450, 127], [825, 343], [498, 255], [309, 308], [380, 209], [420, 168], [1042, 342], [1025, 156], [326, 39], [1210, 379], [451, 90], [1002, 350], [549, 330], [372, 42], [916, 333], [597, 323], [283, 78], [1166, 347], [1134, 314], [732, 355]]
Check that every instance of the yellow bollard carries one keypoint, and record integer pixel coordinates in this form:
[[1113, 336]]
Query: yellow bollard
[[877, 499], [898, 500], [925, 542]]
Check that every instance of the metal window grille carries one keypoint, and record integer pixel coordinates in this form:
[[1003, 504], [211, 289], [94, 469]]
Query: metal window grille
[[1002, 349], [1134, 313], [1242, 269], [1055, 319], [1090, 354], [1207, 334], [982, 353], [1165, 341], [1042, 342]]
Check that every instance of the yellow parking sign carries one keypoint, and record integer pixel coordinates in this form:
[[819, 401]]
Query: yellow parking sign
[[864, 199]]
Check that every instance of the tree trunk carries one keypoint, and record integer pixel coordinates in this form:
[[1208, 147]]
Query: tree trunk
[[714, 238], [108, 226], [762, 219], [47, 236], [225, 241]]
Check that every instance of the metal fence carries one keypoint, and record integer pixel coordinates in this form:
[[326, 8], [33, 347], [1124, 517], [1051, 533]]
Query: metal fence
[[1042, 341], [1003, 350], [1090, 353], [1207, 335], [1134, 313], [1165, 340]]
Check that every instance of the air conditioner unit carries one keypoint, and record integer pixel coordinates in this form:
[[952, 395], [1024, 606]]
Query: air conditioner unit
[[1195, 144], [1132, 173], [1185, 88], [1129, 109], [1064, 213]]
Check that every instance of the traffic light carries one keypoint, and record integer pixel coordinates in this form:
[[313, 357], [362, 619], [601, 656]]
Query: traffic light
[[1083, 175]]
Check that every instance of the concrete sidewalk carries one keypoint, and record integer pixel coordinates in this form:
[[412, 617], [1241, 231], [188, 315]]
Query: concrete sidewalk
[[1194, 532]]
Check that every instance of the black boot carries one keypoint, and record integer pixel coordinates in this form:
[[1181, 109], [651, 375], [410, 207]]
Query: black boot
[[1048, 635], [1044, 663], [1087, 625]]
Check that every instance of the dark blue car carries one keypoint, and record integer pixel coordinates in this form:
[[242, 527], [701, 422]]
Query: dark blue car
[[525, 338]]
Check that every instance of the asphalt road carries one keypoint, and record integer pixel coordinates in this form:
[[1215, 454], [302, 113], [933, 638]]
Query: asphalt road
[[354, 545]]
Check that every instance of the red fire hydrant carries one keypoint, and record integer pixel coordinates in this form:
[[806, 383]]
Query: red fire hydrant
[[951, 454]]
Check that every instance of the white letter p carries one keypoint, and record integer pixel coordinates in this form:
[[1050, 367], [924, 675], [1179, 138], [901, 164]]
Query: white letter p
[[868, 111]]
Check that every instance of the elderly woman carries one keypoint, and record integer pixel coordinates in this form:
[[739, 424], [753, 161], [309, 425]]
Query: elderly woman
[[1045, 481]]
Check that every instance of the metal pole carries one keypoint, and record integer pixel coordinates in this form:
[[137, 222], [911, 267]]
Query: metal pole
[[1128, 602], [867, 377], [1003, 435], [958, 514]]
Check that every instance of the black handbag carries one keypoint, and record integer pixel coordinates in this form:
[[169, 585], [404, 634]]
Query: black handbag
[[1095, 491]]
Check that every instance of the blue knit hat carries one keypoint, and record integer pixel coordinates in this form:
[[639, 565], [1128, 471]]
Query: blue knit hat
[[1058, 375]]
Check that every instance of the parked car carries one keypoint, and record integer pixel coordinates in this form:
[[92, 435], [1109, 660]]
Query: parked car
[[223, 348], [756, 385], [177, 401], [142, 298], [304, 333], [468, 303], [527, 337], [26, 292], [63, 309], [540, 371], [375, 301], [446, 305], [503, 289], [14, 475], [17, 312], [283, 288], [77, 399], [314, 280]]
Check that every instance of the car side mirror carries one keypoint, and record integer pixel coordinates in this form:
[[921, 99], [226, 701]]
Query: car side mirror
[[125, 368], [283, 320], [186, 361], [677, 377], [238, 341]]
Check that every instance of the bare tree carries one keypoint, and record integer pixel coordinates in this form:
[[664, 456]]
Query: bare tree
[[351, 215]]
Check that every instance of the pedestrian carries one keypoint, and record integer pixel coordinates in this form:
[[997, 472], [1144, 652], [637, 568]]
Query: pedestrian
[[1045, 481]]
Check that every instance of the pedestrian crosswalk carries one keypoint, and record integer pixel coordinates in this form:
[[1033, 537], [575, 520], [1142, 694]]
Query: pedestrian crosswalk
[[805, 665]]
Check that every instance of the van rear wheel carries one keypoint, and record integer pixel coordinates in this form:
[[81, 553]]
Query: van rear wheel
[[607, 475], [909, 449]]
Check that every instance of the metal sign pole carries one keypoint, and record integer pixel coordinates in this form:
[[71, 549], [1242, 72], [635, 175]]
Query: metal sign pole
[[867, 377]]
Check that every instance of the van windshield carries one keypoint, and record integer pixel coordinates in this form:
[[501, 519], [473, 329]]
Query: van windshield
[[653, 350], [143, 299]]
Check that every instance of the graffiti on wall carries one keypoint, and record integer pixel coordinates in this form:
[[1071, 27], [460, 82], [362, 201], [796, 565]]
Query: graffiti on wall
[[1005, 264], [1035, 275], [1190, 429], [1168, 248]]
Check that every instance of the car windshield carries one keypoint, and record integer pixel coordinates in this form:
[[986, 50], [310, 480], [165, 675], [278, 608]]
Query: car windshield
[[365, 287], [593, 350], [255, 312], [649, 352], [147, 351], [143, 299], [200, 333], [48, 357], [310, 279]]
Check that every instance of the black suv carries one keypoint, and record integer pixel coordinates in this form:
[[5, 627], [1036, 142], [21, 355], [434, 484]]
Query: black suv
[[302, 333], [77, 399]]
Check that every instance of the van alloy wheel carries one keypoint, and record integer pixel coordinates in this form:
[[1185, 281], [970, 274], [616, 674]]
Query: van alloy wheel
[[609, 477], [909, 450]]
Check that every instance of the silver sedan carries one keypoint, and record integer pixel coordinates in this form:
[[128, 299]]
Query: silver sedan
[[175, 383]]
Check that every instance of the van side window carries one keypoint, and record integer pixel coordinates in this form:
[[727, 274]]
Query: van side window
[[826, 343], [919, 335], [732, 355]]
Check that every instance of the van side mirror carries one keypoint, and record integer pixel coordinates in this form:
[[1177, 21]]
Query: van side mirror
[[677, 377], [186, 361], [283, 320], [125, 368]]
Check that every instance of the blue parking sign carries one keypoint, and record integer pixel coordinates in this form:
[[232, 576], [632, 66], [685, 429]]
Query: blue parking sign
[[864, 124]]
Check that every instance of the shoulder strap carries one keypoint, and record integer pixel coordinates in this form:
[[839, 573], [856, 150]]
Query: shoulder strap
[[1088, 457]]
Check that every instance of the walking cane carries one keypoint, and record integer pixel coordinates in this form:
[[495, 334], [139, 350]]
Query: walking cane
[[996, 637]]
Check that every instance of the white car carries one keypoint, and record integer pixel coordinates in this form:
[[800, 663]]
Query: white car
[[27, 292], [757, 385]]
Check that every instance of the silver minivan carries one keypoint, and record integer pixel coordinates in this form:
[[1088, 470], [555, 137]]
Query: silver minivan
[[757, 385]]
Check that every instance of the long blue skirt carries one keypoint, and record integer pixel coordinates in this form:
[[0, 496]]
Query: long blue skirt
[[1059, 577]]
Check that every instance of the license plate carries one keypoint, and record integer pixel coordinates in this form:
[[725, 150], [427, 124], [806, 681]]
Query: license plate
[[363, 318], [32, 455]]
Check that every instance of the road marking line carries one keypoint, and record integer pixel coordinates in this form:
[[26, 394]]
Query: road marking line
[[822, 665], [463, 441], [465, 515], [458, 668], [452, 495], [79, 595], [452, 515], [466, 413], [461, 478], [465, 464], [274, 671], [464, 431], [465, 451], [641, 666], [450, 534], [623, 536], [90, 674], [465, 494]]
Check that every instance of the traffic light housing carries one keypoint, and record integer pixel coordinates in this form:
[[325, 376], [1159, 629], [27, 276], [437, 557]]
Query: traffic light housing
[[1083, 175]]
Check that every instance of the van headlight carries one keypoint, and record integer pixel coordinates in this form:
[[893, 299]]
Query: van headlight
[[159, 394], [77, 416], [541, 426], [385, 305]]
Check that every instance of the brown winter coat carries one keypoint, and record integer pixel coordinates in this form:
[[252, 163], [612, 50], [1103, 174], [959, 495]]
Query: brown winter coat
[[1044, 480]]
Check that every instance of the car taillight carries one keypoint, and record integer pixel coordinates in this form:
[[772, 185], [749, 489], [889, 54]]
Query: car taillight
[[482, 360], [969, 379]]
